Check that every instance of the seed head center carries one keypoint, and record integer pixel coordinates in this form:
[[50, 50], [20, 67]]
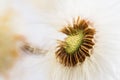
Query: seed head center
[[73, 42]]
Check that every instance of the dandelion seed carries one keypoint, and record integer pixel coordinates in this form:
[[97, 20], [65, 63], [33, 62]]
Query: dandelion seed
[[32, 49]]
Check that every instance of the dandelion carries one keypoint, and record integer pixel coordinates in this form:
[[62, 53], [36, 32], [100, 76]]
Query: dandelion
[[86, 47], [89, 49]]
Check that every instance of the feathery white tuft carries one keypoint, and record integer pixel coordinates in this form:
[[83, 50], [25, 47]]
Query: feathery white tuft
[[102, 65]]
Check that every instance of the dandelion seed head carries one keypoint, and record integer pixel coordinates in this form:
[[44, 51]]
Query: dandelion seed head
[[78, 43]]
